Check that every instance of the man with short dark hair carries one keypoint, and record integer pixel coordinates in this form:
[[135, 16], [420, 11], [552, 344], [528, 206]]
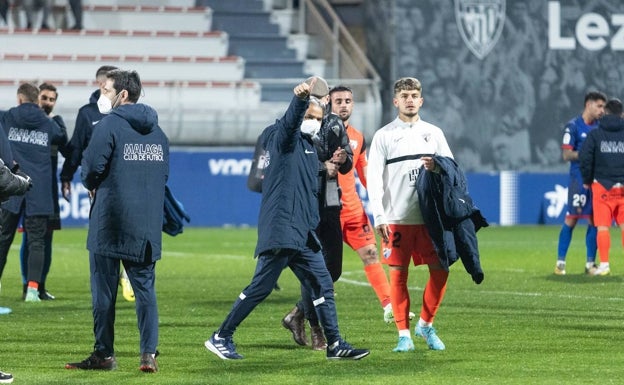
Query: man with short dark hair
[[399, 152], [88, 116], [126, 161], [31, 134], [357, 231], [579, 197], [48, 96]]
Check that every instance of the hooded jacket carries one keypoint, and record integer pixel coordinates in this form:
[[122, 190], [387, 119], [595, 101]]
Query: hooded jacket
[[450, 216], [6, 154], [289, 208], [601, 157], [31, 134], [88, 116], [127, 164]]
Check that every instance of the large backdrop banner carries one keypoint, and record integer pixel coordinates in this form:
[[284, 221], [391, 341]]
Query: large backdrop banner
[[211, 183], [500, 77]]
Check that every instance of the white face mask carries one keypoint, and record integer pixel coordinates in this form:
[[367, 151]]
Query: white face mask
[[104, 105], [310, 127]]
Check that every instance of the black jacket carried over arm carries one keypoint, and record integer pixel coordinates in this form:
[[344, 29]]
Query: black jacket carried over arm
[[450, 216], [331, 137]]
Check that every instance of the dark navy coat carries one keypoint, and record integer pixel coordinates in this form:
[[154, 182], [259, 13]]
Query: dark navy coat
[[602, 155], [31, 134], [6, 154], [289, 209], [127, 163], [450, 216], [88, 116]]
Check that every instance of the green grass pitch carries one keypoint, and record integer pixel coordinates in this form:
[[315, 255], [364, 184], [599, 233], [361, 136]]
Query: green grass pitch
[[522, 325]]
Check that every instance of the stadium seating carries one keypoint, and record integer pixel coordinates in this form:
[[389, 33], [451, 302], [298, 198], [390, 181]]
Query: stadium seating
[[114, 42], [171, 3], [198, 64], [178, 95], [178, 68], [189, 112], [132, 17], [263, 38]]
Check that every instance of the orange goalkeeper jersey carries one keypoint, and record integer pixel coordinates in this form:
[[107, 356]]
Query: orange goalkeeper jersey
[[351, 203]]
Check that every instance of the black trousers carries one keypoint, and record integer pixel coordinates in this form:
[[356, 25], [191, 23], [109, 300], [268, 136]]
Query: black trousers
[[329, 233], [104, 283], [311, 272], [36, 228]]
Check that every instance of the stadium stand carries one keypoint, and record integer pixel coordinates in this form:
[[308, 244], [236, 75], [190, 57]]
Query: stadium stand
[[217, 73], [187, 68], [114, 42], [182, 94], [129, 17], [263, 38]]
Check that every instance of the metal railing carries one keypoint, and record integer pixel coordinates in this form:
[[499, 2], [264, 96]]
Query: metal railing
[[346, 62]]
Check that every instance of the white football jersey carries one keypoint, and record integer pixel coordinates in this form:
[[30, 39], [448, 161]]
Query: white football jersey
[[393, 166]]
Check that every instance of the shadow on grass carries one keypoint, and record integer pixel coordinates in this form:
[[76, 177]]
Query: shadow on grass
[[583, 279]]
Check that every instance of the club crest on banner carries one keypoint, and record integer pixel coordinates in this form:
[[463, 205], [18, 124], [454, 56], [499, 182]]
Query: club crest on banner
[[480, 24]]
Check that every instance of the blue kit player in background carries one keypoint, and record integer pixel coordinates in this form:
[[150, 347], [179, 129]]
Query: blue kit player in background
[[579, 198]]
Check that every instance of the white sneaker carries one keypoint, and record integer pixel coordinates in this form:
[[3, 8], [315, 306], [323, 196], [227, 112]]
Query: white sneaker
[[602, 270], [590, 268], [32, 295], [389, 315], [560, 268]]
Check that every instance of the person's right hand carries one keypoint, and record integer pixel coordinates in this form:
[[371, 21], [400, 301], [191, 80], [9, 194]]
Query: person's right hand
[[339, 156], [384, 232], [332, 168], [66, 190], [302, 90]]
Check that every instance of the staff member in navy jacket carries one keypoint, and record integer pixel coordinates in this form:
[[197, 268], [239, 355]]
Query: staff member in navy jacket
[[125, 167], [31, 134], [288, 216], [88, 117], [602, 167]]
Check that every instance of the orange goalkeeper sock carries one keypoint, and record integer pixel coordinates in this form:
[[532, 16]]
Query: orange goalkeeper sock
[[433, 294], [603, 239], [400, 298], [376, 276]]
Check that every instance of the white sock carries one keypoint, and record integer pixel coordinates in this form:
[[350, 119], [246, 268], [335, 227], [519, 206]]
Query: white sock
[[424, 324], [404, 333]]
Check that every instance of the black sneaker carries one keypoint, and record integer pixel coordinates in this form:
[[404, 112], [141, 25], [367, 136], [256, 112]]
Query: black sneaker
[[148, 362], [341, 350], [45, 295], [5, 378], [96, 361], [223, 347]]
